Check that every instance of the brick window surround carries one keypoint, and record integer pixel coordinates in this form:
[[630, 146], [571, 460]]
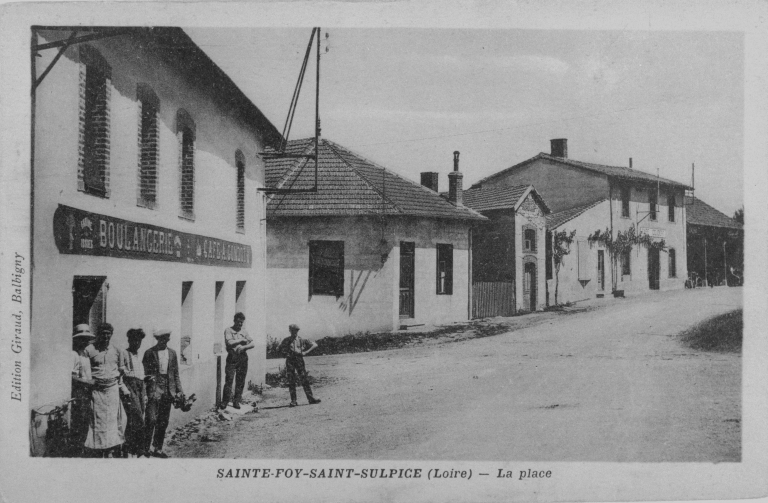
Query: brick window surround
[[529, 239], [672, 263], [149, 146], [95, 92], [240, 214], [625, 191], [185, 134], [671, 207], [653, 203]]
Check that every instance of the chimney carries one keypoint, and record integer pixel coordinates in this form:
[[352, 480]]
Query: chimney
[[630, 163], [430, 180], [559, 147], [455, 192]]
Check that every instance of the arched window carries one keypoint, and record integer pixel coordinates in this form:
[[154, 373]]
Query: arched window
[[240, 215], [529, 240], [95, 94], [149, 146], [185, 132]]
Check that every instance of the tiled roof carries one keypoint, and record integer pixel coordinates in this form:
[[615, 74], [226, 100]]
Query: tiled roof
[[621, 172], [349, 185], [555, 220], [498, 198], [697, 212]]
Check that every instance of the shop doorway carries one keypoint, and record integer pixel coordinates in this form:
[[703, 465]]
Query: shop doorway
[[89, 301]]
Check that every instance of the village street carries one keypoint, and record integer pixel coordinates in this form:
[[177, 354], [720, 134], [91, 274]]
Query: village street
[[609, 384]]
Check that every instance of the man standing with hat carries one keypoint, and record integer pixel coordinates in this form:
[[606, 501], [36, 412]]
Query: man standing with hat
[[161, 370], [80, 412], [237, 342], [294, 348], [134, 402]]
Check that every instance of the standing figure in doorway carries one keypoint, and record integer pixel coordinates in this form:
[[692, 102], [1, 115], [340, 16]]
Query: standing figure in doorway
[[135, 401], [81, 411], [106, 433], [161, 368], [294, 348], [237, 342]]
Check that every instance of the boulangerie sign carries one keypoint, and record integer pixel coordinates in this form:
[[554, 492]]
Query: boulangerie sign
[[79, 232]]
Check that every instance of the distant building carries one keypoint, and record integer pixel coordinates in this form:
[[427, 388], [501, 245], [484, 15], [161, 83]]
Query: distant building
[[715, 244], [146, 210], [368, 251], [573, 191], [508, 252]]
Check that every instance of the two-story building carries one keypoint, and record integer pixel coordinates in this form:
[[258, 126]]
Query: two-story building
[[588, 197], [146, 210], [368, 250]]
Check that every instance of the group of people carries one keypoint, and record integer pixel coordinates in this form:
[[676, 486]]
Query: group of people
[[293, 347], [121, 405]]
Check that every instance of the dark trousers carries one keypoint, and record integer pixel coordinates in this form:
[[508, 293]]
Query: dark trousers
[[157, 414], [235, 370], [294, 368], [80, 415], [134, 408]]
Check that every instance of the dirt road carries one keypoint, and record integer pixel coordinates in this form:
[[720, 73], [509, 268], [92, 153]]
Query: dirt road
[[612, 384]]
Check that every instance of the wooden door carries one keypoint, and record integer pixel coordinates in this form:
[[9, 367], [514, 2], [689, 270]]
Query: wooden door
[[407, 274]]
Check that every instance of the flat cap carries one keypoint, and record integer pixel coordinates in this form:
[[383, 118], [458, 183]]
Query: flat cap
[[293, 326]]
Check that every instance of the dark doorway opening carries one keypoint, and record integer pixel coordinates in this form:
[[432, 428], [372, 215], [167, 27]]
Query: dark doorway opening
[[654, 266], [407, 274]]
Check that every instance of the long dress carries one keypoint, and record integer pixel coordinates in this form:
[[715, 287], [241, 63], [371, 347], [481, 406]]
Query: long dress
[[107, 427], [80, 411]]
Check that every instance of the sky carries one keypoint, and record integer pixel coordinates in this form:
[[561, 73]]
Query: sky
[[407, 98]]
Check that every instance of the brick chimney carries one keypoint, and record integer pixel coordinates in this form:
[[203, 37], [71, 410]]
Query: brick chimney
[[559, 147], [630, 163], [455, 183], [431, 180]]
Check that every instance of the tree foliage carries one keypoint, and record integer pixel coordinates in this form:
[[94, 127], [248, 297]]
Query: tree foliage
[[561, 246], [623, 243], [739, 215]]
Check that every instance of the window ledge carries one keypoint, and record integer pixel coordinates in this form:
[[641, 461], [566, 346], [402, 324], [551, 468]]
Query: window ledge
[[187, 216], [145, 203], [240, 231]]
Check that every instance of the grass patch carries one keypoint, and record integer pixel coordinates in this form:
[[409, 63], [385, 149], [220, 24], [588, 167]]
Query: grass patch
[[721, 333], [364, 342]]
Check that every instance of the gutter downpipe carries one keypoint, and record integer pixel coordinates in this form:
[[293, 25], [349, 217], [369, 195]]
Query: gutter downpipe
[[614, 281]]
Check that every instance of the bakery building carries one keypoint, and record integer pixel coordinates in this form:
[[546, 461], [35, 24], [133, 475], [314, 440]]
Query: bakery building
[[147, 213]]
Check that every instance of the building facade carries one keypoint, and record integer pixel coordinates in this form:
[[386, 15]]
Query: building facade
[[715, 245], [508, 252], [588, 197], [146, 209], [369, 251]]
